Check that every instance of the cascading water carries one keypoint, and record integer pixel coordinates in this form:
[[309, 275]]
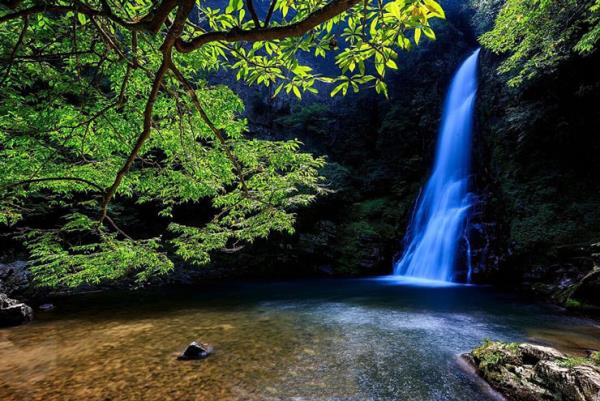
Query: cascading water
[[439, 219]]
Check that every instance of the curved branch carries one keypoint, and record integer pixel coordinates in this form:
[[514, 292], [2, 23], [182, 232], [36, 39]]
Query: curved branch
[[36, 180], [299, 28], [150, 22]]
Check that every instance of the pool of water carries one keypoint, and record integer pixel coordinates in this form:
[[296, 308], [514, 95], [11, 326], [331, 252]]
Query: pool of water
[[359, 340]]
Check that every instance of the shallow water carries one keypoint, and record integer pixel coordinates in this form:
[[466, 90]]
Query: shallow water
[[366, 339]]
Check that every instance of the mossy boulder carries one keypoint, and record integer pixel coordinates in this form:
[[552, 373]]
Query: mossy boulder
[[529, 372]]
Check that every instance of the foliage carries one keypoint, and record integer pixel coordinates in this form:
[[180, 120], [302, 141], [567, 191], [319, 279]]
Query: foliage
[[104, 103], [539, 34]]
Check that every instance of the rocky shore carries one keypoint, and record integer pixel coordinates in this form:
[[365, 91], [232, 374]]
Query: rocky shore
[[14, 284], [528, 372]]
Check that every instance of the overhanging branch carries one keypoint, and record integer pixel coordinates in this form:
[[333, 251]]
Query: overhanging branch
[[299, 28]]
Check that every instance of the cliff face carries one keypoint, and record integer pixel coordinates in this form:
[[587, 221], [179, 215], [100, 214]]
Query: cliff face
[[543, 153]]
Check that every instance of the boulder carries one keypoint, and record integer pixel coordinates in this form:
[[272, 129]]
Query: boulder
[[532, 372], [13, 312], [194, 351]]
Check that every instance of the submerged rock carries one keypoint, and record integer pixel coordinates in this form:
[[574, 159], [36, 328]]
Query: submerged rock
[[195, 351], [531, 372], [46, 307], [13, 312]]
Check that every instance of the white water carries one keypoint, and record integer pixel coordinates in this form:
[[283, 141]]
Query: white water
[[439, 220]]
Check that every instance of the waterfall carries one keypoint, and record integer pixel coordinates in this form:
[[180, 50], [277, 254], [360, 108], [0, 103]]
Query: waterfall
[[439, 219]]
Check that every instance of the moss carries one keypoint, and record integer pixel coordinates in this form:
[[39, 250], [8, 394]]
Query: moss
[[493, 353], [572, 361], [573, 304], [370, 230]]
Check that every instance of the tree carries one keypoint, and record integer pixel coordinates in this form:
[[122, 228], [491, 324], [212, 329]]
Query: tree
[[106, 102], [539, 34]]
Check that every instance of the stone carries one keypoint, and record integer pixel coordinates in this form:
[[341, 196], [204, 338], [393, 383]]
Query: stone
[[13, 312], [46, 307], [532, 372], [536, 353], [195, 351]]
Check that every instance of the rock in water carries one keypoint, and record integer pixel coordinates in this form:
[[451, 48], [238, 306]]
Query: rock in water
[[13, 312], [195, 351], [531, 372], [46, 307]]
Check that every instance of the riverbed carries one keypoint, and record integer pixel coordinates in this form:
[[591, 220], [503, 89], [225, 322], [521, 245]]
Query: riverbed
[[313, 340]]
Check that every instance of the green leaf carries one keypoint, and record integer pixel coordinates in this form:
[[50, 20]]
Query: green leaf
[[417, 35]]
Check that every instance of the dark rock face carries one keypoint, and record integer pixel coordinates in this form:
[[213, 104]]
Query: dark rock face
[[15, 278], [527, 372], [13, 312], [195, 351], [572, 278], [541, 151], [588, 289]]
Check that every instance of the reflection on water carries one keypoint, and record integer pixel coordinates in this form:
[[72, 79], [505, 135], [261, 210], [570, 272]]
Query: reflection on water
[[316, 340]]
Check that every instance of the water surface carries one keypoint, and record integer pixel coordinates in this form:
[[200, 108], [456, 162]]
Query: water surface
[[359, 340]]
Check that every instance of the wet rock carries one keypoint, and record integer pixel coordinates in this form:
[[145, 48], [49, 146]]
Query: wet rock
[[533, 353], [195, 350], [13, 312], [46, 307], [531, 372]]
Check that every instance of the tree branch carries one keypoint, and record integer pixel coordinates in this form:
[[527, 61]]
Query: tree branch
[[150, 22], [299, 28], [192, 93], [270, 13], [36, 180], [252, 11], [116, 227], [15, 49], [182, 13]]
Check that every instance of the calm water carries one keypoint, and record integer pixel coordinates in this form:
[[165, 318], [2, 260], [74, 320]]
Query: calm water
[[368, 339]]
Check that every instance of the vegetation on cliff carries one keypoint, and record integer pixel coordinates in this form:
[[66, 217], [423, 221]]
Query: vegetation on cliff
[[539, 34]]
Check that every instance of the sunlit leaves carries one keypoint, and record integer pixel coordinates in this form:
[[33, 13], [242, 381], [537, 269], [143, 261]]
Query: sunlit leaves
[[364, 40], [68, 121], [538, 34]]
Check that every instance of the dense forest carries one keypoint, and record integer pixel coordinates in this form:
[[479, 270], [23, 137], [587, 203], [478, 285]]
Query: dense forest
[[175, 144]]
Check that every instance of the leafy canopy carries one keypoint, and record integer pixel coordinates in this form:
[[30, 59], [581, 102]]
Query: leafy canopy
[[539, 34], [105, 103]]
